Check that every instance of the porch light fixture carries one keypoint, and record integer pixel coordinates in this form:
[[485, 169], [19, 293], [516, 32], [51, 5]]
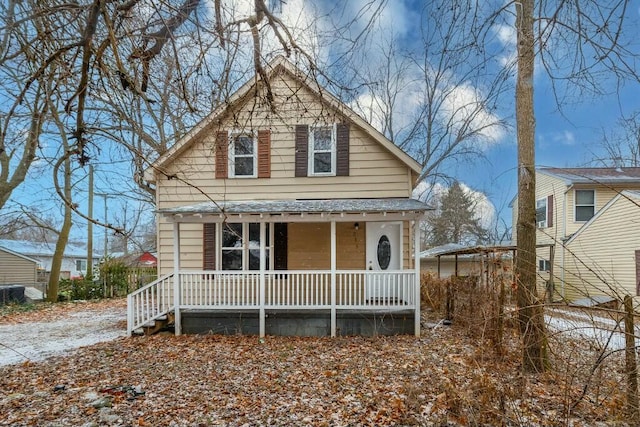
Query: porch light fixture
[[356, 226]]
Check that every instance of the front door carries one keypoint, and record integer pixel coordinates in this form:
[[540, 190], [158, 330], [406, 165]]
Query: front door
[[384, 253]]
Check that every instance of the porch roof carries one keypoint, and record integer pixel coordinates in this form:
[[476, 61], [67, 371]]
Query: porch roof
[[298, 210]]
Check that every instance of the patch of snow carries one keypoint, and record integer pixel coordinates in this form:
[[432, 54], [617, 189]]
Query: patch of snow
[[37, 341]]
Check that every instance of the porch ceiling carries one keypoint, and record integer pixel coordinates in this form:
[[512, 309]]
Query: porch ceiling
[[298, 210]]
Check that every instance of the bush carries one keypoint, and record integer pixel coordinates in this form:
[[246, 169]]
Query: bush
[[79, 289], [113, 274]]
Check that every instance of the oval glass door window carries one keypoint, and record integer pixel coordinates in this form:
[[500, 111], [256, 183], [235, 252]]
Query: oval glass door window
[[384, 252]]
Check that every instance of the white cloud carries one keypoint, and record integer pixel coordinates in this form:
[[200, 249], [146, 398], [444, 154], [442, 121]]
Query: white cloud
[[565, 138], [508, 37]]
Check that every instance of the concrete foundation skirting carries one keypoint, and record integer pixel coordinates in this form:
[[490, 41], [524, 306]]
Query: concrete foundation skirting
[[298, 322]]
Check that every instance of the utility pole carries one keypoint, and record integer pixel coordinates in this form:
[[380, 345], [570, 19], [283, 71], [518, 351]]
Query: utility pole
[[105, 196], [89, 273]]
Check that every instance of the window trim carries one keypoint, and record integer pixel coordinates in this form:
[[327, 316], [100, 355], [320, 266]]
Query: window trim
[[576, 205], [233, 134], [312, 151], [543, 224]]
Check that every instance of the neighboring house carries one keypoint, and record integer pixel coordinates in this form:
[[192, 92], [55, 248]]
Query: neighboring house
[[291, 220], [137, 259], [459, 260], [17, 268], [74, 262], [588, 232]]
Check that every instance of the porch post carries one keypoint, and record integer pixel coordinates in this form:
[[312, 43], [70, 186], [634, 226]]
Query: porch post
[[263, 264], [176, 278], [416, 265], [333, 278]]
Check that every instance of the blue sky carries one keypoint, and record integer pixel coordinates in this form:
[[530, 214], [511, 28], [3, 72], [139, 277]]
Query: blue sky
[[563, 139]]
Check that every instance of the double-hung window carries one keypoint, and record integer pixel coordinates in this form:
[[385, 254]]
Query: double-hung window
[[242, 155], [241, 246], [322, 150], [81, 265], [541, 213], [585, 204]]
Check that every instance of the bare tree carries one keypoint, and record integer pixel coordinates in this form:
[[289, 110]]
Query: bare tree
[[621, 145], [439, 101]]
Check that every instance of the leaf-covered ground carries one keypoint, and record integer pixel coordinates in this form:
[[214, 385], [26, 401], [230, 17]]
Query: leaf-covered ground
[[443, 378]]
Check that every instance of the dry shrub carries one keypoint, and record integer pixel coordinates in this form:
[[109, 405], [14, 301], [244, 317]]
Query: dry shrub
[[469, 303]]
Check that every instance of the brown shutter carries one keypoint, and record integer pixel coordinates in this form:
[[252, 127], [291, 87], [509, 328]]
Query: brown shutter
[[550, 211], [209, 246], [342, 152], [264, 153], [302, 150], [222, 155]]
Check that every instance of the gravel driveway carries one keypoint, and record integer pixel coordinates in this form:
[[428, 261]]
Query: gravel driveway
[[38, 338]]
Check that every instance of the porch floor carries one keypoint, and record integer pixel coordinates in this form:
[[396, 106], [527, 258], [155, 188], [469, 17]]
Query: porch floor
[[291, 322]]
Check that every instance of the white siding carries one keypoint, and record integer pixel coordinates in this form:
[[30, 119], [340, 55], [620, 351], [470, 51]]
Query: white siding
[[602, 258]]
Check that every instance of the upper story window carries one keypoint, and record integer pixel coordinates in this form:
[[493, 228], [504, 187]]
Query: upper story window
[[585, 204], [242, 155], [541, 213], [322, 150]]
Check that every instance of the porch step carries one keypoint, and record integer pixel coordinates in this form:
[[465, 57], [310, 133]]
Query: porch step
[[160, 324]]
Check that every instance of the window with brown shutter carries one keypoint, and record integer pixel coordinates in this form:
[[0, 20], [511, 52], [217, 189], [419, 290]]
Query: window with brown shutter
[[550, 211], [264, 153], [302, 150], [342, 153], [209, 246], [222, 155]]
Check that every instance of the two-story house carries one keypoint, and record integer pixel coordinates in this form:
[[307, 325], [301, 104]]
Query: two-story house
[[588, 232], [286, 217]]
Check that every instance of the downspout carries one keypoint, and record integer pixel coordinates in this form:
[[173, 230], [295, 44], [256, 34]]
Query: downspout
[[564, 234]]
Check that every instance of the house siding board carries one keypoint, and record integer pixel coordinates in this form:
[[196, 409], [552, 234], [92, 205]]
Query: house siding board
[[15, 270], [604, 266]]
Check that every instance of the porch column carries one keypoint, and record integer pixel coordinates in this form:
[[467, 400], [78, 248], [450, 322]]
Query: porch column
[[333, 278], [263, 266], [176, 277], [416, 265]]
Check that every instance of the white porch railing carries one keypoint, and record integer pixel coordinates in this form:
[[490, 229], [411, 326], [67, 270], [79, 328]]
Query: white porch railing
[[282, 289], [149, 303]]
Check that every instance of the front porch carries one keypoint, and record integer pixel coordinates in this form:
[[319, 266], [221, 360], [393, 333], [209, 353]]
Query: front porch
[[265, 261], [336, 294]]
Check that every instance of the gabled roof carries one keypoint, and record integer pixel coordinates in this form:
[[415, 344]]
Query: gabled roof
[[277, 65], [9, 251], [35, 249], [627, 194], [594, 175]]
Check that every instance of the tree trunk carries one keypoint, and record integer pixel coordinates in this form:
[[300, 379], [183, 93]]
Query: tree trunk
[[531, 315], [63, 238], [630, 359]]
